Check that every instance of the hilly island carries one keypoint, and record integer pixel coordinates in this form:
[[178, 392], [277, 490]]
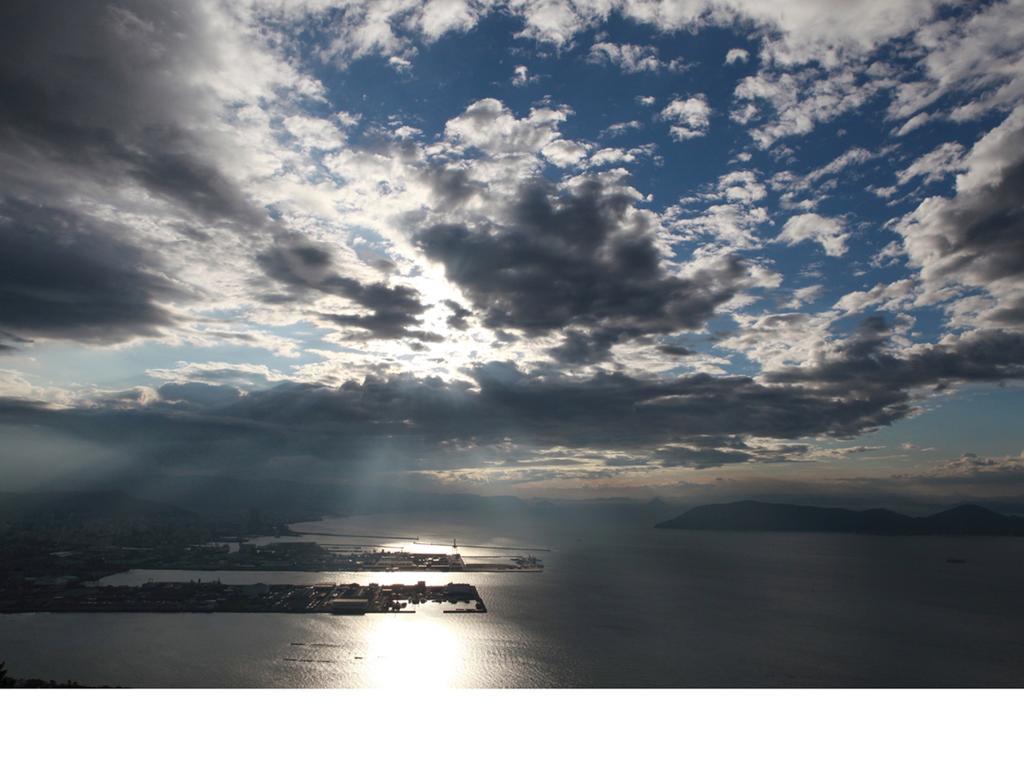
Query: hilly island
[[961, 520]]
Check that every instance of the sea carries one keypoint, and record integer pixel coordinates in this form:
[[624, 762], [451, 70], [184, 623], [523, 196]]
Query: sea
[[617, 605]]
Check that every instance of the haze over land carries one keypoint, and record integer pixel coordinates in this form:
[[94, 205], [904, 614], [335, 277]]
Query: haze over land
[[613, 248]]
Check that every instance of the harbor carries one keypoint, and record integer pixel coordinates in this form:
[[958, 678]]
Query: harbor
[[215, 597], [313, 556]]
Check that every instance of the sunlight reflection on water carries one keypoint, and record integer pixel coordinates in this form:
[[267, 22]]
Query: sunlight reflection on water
[[414, 652], [622, 607]]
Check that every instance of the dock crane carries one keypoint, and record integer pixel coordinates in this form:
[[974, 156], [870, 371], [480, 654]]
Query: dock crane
[[457, 563]]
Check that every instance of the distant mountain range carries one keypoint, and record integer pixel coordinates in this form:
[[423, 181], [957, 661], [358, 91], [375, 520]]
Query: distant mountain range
[[965, 519], [191, 508]]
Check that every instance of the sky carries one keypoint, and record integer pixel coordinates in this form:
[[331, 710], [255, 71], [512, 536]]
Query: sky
[[539, 247]]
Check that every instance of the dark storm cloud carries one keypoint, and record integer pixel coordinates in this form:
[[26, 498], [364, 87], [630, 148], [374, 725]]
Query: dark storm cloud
[[457, 319], [1009, 312], [62, 276], [115, 97], [984, 231], [197, 185], [674, 350], [976, 238], [197, 394], [451, 186], [103, 89], [303, 267], [10, 342], [104, 95], [700, 458], [385, 325], [584, 260], [97, 96], [695, 420], [865, 366], [609, 410], [578, 348]]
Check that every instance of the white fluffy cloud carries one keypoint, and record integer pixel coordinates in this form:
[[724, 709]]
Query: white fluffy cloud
[[630, 58], [981, 57], [940, 162], [618, 156], [890, 297], [690, 116], [797, 31], [489, 125], [521, 76], [829, 232], [797, 101], [737, 55]]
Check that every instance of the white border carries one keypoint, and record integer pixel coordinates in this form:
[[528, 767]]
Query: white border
[[521, 728]]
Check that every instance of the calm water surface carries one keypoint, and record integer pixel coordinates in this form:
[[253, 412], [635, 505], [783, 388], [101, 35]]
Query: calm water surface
[[619, 606]]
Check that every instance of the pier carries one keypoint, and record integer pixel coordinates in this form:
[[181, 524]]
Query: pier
[[311, 556], [214, 597]]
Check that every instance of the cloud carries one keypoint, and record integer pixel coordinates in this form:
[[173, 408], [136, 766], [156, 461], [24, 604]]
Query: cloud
[[65, 277], [725, 228], [136, 116], [306, 267], [799, 100], [490, 126], [691, 117], [852, 157], [940, 162], [172, 173], [618, 156], [565, 153], [795, 33], [865, 367], [890, 297], [117, 162], [586, 260], [708, 451], [921, 118], [737, 56], [859, 385], [976, 60], [828, 232], [994, 469], [386, 28], [775, 340], [238, 376], [805, 295], [521, 76], [457, 319], [741, 186], [631, 59], [617, 129], [973, 241], [674, 350]]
